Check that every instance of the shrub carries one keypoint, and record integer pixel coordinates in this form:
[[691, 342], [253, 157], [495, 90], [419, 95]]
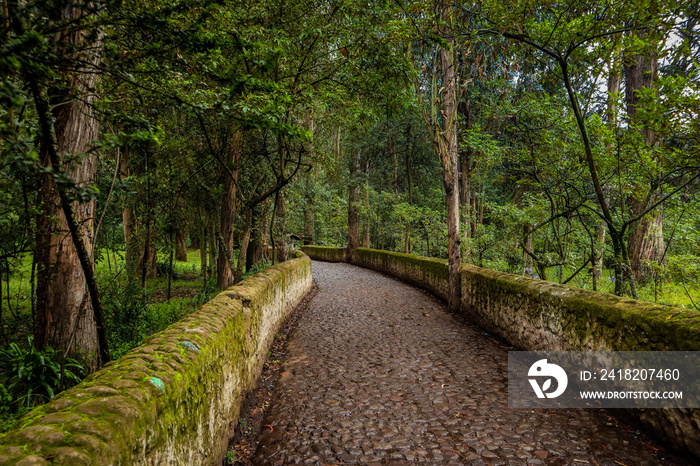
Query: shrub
[[32, 376]]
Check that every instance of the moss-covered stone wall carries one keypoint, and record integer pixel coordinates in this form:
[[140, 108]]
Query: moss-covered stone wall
[[324, 253], [176, 398], [539, 315]]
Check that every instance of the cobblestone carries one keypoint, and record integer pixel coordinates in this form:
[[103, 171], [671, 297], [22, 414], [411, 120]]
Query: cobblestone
[[379, 373]]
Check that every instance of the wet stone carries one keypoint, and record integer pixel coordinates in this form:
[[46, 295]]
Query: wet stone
[[382, 374]]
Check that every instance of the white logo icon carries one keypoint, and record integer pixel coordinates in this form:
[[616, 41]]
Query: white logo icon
[[542, 369]]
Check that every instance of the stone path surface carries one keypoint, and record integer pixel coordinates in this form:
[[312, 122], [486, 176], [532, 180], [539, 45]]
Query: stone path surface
[[379, 373]]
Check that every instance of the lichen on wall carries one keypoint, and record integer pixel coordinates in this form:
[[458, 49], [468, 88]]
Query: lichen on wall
[[176, 398]]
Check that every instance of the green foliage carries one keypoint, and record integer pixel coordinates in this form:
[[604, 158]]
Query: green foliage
[[230, 457], [164, 269], [30, 376], [126, 318]]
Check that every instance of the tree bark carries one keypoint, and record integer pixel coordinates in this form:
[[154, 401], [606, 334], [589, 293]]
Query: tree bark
[[646, 241], [65, 318], [391, 149], [150, 254], [211, 238], [254, 253], [309, 230], [128, 220], [281, 227], [447, 142], [243, 250], [353, 206], [409, 184], [365, 202], [224, 269], [203, 267], [181, 242], [465, 192]]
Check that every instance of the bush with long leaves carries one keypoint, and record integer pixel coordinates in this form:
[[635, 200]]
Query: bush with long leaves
[[33, 376]]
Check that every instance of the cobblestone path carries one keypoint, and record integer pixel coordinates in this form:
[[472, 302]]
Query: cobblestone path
[[379, 373]]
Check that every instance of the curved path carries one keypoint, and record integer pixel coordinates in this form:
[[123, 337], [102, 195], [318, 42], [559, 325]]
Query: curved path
[[378, 372]]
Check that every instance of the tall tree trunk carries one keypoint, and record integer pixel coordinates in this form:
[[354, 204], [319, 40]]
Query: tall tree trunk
[[243, 250], [266, 231], [224, 269], [646, 241], [211, 238], [528, 264], [128, 221], [254, 252], [598, 245], [391, 149], [309, 195], [465, 191], [365, 203], [599, 249], [353, 206], [147, 260], [203, 267], [65, 318], [281, 227], [447, 144], [181, 242], [409, 184]]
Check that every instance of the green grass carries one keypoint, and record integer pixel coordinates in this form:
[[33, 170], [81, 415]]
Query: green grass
[[132, 313], [669, 290]]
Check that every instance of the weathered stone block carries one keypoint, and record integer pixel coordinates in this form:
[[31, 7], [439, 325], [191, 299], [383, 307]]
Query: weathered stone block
[[164, 403]]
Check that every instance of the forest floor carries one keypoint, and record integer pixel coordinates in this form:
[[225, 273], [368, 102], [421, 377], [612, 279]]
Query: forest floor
[[377, 372]]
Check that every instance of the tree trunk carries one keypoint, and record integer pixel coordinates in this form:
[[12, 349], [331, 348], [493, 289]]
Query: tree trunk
[[243, 250], [409, 184], [309, 221], [599, 250], [181, 242], [211, 238], [224, 269], [150, 255], [128, 221], [65, 316], [365, 202], [465, 189], [391, 148], [266, 231], [203, 267], [353, 206], [281, 227], [528, 264], [254, 252], [447, 142], [646, 241]]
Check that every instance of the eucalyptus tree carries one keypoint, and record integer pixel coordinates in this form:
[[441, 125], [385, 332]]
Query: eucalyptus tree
[[573, 37], [436, 24], [52, 53]]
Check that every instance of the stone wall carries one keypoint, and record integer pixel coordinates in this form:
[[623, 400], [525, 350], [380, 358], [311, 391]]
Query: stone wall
[[325, 253], [175, 399], [540, 315]]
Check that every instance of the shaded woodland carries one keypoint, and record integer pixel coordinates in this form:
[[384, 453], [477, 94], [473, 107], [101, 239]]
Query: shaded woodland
[[557, 140]]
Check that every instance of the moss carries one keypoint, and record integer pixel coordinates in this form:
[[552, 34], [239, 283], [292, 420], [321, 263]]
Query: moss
[[325, 253], [117, 416]]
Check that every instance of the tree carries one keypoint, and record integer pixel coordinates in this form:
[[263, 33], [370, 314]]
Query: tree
[[69, 313], [572, 37], [441, 121]]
